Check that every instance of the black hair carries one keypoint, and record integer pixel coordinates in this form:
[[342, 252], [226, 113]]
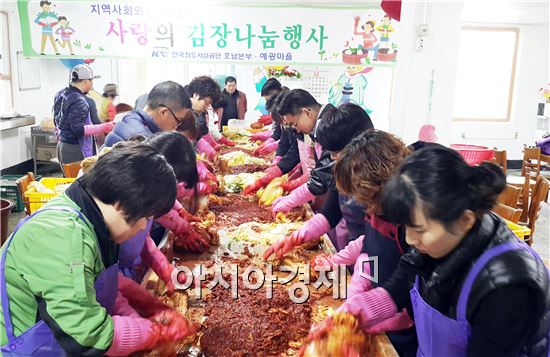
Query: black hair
[[189, 125], [137, 138], [137, 178], [339, 125], [230, 79], [272, 85], [272, 105], [204, 86], [439, 180], [61, 18], [220, 103], [179, 153], [170, 94], [296, 100], [44, 2]]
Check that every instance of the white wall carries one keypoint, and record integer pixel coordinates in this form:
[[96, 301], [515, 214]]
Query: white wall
[[16, 143], [531, 73], [414, 69], [411, 91]]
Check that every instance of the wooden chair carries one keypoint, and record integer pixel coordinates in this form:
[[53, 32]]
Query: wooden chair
[[510, 196], [71, 170], [530, 169], [22, 185], [530, 166], [542, 186], [507, 212], [500, 159]]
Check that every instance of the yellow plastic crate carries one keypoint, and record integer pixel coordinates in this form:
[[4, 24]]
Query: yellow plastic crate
[[518, 230], [38, 199]]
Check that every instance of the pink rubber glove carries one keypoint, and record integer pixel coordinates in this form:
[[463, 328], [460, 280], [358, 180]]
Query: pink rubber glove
[[399, 321], [173, 222], [292, 185], [261, 136], [266, 148], [276, 160], [153, 257], [122, 307], [204, 147], [144, 302], [225, 141], [271, 173], [371, 307], [359, 284], [94, 129], [204, 173], [312, 229], [346, 256], [210, 140], [131, 334], [177, 205], [296, 198], [350, 253], [265, 119], [202, 189], [295, 173]]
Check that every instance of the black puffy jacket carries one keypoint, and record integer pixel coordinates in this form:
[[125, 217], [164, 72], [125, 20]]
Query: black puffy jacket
[[290, 157], [509, 304], [200, 120], [70, 113]]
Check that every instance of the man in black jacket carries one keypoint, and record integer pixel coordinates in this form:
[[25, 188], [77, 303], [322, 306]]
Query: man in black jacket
[[303, 113]]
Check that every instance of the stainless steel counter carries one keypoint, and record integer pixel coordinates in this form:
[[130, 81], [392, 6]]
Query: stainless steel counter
[[16, 122]]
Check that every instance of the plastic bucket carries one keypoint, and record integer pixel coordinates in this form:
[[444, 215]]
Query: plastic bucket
[[5, 209]]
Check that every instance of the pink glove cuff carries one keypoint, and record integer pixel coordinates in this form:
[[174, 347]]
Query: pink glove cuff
[[173, 222], [225, 140], [299, 196], [299, 181], [202, 170], [271, 173], [360, 284], [94, 129], [317, 225], [177, 206], [204, 147], [154, 258], [262, 136], [276, 160], [122, 307], [130, 335], [349, 254], [183, 192], [399, 321], [208, 137], [372, 307], [269, 147]]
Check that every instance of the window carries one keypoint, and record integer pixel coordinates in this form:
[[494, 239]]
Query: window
[[485, 74], [6, 94]]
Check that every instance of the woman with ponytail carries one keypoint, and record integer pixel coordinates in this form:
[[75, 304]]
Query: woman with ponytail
[[473, 287]]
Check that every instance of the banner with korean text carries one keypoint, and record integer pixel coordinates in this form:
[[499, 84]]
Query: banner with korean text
[[261, 33]]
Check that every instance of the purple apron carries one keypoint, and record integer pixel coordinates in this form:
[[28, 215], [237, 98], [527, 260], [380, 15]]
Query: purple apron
[[439, 335], [87, 142], [352, 224], [38, 340], [129, 256]]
